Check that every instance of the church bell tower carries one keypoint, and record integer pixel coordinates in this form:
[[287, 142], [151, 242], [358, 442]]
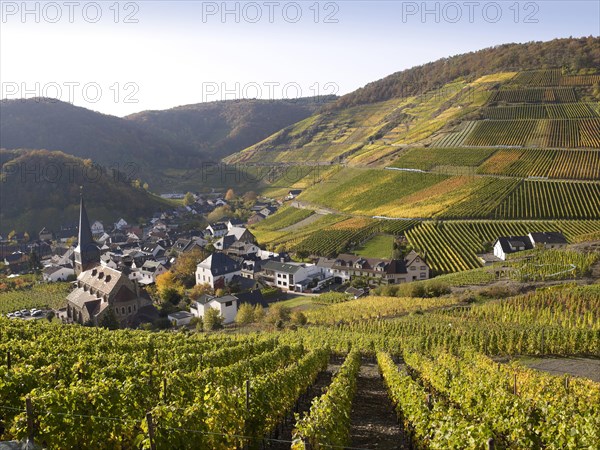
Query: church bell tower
[[87, 253]]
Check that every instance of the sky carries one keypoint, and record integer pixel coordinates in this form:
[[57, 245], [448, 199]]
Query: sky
[[124, 57]]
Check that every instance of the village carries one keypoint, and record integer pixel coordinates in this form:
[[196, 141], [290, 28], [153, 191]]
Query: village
[[122, 275], [114, 270]]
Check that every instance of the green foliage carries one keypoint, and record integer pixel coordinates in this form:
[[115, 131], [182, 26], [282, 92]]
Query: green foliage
[[277, 313], [330, 298], [43, 295], [245, 314], [212, 320]]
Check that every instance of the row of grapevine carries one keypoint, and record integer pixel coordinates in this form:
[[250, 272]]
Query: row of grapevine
[[544, 77], [430, 422], [534, 95], [481, 203], [566, 164], [552, 133], [328, 421], [42, 295], [551, 200], [495, 398], [455, 138], [551, 111]]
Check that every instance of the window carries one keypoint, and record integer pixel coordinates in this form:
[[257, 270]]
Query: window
[[423, 268], [129, 309], [228, 304], [123, 310], [423, 275], [412, 268]]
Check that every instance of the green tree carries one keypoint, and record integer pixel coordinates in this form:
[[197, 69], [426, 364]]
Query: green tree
[[259, 313], [299, 318], [109, 320], [278, 312], [212, 320], [245, 314]]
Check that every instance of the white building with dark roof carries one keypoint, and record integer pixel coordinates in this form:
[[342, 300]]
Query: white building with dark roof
[[217, 270]]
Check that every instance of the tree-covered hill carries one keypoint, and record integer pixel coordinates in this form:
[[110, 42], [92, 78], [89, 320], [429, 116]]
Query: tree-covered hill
[[41, 188]]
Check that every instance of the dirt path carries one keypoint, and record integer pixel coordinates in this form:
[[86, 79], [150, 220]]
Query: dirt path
[[374, 423], [578, 367]]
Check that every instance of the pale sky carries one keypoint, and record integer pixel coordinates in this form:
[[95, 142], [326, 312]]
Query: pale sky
[[124, 57]]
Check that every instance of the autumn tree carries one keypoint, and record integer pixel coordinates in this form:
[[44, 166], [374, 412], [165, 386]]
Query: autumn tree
[[184, 268], [230, 195], [168, 287]]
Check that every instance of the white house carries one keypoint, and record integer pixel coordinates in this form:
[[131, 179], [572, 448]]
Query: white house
[[180, 318], [216, 230], [148, 272], [506, 245], [290, 276], [226, 305], [293, 194], [55, 273], [217, 270], [121, 224]]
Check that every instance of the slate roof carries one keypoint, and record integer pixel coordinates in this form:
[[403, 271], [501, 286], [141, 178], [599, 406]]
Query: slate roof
[[548, 237], [220, 263], [282, 267], [509, 242]]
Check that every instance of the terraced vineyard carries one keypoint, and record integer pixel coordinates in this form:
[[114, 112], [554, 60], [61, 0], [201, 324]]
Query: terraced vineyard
[[559, 111], [452, 246], [429, 158], [566, 164], [534, 95], [552, 200]]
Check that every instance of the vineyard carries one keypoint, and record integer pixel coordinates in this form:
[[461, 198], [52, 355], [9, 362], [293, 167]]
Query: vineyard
[[566, 164], [551, 200], [42, 295], [534, 95], [428, 158], [453, 246], [551, 133], [559, 111], [91, 387]]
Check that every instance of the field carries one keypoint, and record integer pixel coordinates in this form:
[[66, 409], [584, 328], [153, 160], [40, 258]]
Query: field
[[551, 200], [379, 246], [429, 158]]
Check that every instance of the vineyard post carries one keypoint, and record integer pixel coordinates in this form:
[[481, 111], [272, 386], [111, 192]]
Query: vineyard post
[[150, 430], [247, 395], [567, 384], [30, 425], [491, 445], [8, 359]]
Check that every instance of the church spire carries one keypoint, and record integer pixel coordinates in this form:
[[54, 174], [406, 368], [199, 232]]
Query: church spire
[[86, 253]]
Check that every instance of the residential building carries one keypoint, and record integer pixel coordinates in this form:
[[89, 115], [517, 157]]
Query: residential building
[[53, 273], [226, 305], [290, 276], [506, 245], [548, 239], [217, 270]]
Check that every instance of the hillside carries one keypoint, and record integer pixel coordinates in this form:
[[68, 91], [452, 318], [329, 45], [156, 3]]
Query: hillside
[[482, 156], [41, 188], [412, 107], [108, 140], [221, 128]]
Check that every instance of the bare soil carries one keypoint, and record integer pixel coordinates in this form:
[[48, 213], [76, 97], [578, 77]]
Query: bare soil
[[374, 420]]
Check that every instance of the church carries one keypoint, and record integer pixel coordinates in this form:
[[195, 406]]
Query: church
[[100, 289]]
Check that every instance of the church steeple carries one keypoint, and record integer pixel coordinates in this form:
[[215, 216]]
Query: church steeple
[[86, 254]]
